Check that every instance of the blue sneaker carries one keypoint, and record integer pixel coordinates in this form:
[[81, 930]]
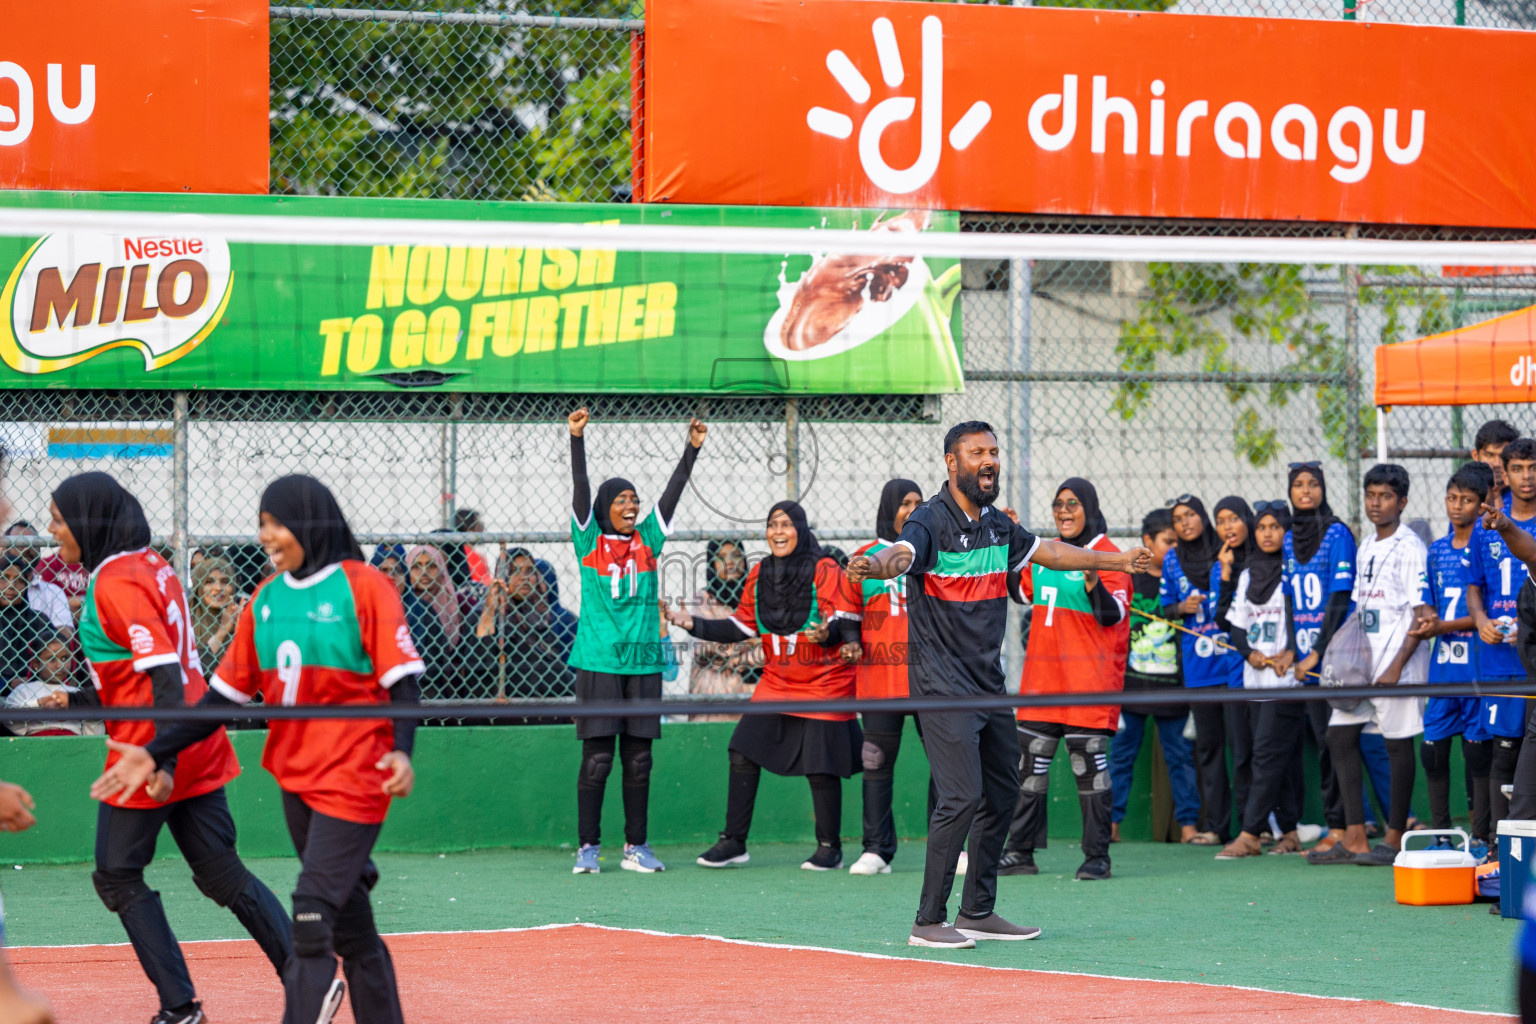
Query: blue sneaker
[[586, 860], [642, 859]]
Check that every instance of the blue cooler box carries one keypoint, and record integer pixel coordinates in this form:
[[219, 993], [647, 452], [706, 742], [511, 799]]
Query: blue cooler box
[[1517, 848]]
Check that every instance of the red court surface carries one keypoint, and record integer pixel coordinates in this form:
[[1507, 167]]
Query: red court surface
[[584, 972]]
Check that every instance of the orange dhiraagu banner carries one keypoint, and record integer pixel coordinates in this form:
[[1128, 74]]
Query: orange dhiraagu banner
[[1484, 364], [139, 96], [970, 107]]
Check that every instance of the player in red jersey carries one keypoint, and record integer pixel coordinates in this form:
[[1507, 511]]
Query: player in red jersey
[[136, 635], [882, 673], [807, 614], [327, 629]]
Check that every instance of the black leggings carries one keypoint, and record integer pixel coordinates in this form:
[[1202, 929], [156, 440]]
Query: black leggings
[[1435, 755], [1344, 745], [592, 782], [741, 798]]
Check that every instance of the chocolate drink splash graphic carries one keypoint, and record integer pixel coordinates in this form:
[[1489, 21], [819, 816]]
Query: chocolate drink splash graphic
[[835, 288]]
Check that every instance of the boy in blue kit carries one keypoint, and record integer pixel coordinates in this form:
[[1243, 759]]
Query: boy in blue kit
[[1495, 579], [1454, 659]]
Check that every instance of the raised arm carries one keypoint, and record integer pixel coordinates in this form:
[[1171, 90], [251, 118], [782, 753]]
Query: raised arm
[[581, 487], [667, 503]]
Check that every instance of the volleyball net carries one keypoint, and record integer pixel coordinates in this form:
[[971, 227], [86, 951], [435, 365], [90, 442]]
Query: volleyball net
[[423, 368]]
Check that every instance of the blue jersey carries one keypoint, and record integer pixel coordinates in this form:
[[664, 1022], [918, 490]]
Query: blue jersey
[[1454, 659], [1330, 570], [1204, 663], [1499, 575]]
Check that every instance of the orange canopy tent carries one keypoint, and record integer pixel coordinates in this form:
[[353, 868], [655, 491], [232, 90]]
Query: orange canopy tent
[[1484, 364]]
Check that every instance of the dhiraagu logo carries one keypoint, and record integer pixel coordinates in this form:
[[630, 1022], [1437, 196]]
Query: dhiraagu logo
[[75, 295], [899, 108]]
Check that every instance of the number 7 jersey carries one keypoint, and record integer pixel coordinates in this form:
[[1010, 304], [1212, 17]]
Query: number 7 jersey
[[337, 637], [134, 618]]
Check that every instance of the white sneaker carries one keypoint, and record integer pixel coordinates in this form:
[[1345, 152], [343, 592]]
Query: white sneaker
[[870, 864], [1309, 833], [964, 862]]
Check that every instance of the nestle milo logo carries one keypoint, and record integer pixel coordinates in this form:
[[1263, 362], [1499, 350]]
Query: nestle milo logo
[[75, 295]]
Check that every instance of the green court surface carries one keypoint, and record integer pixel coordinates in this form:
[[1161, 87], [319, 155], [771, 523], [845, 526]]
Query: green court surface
[[1170, 913]]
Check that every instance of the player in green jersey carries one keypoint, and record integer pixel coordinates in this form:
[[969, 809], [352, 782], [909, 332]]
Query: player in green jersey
[[618, 654]]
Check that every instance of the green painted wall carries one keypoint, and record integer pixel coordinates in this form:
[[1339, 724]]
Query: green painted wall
[[484, 787]]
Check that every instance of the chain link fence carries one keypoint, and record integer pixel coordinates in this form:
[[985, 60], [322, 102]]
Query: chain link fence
[[1151, 380], [453, 100]]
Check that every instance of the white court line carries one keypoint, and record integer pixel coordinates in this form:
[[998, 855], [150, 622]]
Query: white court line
[[857, 953]]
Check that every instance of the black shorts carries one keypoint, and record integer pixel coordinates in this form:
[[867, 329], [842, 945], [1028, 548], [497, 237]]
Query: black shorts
[[792, 745], [609, 686]]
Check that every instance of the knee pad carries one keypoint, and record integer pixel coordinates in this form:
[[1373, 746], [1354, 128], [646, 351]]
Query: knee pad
[[1036, 752], [637, 764], [1435, 755], [742, 763], [313, 925], [355, 934], [1506, 752], [1089, 755], [120, 889], [1479, 757], [222, 878], [595, 769]]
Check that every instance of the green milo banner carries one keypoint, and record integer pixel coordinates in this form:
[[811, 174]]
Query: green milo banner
[[173, 305]]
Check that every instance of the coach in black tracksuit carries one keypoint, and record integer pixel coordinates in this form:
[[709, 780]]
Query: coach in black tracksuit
[[962, 557]]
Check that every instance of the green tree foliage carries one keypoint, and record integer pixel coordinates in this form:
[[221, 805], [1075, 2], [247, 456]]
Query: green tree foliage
[[378, 108], [1197, 311]]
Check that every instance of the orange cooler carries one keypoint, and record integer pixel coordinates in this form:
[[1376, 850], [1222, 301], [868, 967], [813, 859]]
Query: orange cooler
[[1435, 877]]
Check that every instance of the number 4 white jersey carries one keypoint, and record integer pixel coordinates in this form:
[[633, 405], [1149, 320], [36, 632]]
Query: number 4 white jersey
[[1390, 581]]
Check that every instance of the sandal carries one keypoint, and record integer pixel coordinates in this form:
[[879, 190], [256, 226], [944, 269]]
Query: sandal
[[1237, 850], [1337, 854], [1204, 839], [1288, 844]]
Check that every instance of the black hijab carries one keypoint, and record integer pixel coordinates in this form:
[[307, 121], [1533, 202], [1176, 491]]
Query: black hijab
[[308, 509], [607, 491], [1242, 554], [786, 585], [1310, 526], [1197, 556], [726, 591], [105, 519], [891, 496], [1094, 523], [1264, 567]]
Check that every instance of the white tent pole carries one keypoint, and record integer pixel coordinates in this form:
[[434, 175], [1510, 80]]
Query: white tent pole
[[1381, 433]]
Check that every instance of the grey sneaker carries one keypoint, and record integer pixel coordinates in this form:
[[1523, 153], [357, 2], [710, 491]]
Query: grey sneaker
[[939, 936], [994, 927]]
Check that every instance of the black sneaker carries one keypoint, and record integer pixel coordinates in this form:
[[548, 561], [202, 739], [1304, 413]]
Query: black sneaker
[[725, 853], [1017, 862], [826, 858], [1094, 869], [192, 1013]]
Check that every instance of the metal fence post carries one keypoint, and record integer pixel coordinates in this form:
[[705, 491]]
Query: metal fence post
[[181, 526], [1020, 288], [1352, 424], [792, 449]]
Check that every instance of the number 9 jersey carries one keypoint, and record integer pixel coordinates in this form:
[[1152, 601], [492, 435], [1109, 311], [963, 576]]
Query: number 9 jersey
[[336, 637], [134, 618]]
